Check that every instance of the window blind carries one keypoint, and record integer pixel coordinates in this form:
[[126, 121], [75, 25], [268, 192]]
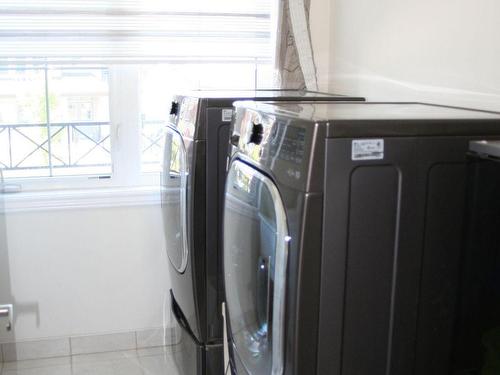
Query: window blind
[[114, 31]]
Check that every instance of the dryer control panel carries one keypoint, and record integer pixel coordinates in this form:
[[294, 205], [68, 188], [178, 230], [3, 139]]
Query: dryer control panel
[[281, 145], [288, 143]]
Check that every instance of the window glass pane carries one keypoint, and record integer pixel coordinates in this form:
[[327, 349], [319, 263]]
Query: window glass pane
[[28, 146], [152, 144], [85, 148], [78, 95], [22, 96], [72, 138], [79, 118], [23, 130], [159, 82], [227, 76]]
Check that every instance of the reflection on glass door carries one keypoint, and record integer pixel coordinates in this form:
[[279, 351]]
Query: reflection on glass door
[[174, 190], [255, 260]]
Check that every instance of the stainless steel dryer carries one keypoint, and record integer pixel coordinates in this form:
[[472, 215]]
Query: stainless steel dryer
[[193, 183], [343, 227]]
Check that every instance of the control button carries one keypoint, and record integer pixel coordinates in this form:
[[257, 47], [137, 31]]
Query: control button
[[257, 134], [235, 139], [174, 109]]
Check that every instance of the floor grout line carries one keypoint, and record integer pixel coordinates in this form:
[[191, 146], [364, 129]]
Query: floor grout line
[[99, 365], [71, 343]]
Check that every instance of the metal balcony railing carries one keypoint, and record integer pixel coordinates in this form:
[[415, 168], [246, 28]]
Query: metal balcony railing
[[152, 133], [81, 147], [58, 145]]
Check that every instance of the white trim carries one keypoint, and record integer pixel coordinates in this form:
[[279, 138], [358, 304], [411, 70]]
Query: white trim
[[125, 115], [81, 182], [80, 199]]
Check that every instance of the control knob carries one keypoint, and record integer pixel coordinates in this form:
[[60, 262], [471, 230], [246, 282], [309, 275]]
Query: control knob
[[257, 134], [235, 139], [174, 108]]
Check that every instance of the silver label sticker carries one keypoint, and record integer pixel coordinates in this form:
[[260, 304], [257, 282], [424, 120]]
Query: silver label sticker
[[227, 114], [367, 149]]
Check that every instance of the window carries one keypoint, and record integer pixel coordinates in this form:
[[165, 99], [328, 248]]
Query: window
[[85, 87], [54, 122]]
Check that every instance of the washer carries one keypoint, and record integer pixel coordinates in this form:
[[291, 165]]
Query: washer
[[195, 162], [343, 229], [477, 322]]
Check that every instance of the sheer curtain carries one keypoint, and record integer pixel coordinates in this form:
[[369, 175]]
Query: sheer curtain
[[294, 55]]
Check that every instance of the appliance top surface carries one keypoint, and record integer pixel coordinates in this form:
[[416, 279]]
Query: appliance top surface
[[354, 119], [262, 94], [327, 111]]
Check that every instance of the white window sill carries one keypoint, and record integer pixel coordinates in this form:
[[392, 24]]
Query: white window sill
[[80, 199]]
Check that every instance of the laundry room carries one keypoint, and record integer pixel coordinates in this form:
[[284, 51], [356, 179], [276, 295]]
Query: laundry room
[[249, 187]]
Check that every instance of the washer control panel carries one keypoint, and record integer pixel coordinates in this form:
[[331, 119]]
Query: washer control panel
[[288, 144], [278, 143]]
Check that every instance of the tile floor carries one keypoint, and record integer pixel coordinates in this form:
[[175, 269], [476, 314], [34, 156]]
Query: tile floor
[[151, 361]]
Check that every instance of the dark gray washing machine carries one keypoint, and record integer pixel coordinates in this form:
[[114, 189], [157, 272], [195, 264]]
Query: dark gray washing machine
[[343, 225], [477, 322], [193, 187]]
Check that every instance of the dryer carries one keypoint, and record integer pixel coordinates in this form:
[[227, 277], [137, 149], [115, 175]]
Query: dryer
[[195, 159], [477, 324], [343, 231]]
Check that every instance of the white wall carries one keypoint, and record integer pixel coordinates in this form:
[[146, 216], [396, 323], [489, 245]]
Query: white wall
[[445, 51], [86, 271]]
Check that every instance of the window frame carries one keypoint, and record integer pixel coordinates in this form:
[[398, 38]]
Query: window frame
[[125, 134]]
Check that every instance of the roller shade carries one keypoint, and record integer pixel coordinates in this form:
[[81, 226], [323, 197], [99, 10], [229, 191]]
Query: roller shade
[[136, 31]]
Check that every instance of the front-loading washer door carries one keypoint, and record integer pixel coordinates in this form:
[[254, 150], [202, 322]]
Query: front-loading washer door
[[174, 196], [255, 261]]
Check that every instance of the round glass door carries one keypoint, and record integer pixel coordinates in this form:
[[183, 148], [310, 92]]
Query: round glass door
[[255, 260], [174, 194]]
